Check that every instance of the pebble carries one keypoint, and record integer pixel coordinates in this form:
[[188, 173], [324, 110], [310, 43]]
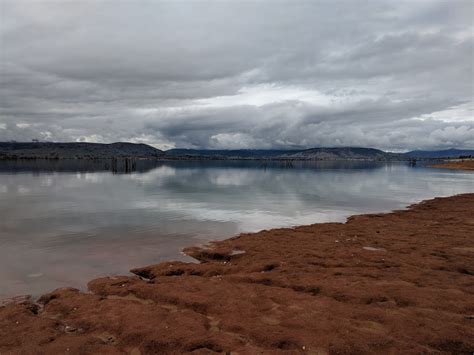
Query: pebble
[[373, 249], [70, 329], [237, 252], [38, 274]]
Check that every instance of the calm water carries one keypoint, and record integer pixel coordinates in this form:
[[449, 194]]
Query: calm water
[[65, 223]]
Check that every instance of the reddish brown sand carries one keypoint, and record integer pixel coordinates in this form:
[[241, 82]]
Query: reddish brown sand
[[459, 165], [394, 283]]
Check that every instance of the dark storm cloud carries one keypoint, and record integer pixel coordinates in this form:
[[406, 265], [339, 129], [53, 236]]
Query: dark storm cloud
[[230, 74]]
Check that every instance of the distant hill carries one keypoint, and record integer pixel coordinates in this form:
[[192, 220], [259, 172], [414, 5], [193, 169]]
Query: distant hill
[[46, 150], [229, 153], [447, 153], [345, 153]]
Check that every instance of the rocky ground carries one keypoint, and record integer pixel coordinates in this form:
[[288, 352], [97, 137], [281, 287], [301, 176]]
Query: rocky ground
[[394, 283]]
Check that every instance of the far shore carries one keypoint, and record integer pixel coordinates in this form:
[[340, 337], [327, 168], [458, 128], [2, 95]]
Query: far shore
[[399, 282]]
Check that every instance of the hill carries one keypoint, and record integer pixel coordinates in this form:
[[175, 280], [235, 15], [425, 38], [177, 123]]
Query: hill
[[447, 153], [345, 153], [46, 150], [229, 153]]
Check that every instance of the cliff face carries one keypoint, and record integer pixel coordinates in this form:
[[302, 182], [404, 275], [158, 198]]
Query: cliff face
[[40, 150]]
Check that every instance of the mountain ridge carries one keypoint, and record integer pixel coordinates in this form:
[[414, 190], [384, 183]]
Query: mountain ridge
[[84, 150], [445, 153], [76, 150]]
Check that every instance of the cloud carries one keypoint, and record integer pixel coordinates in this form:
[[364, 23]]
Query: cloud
[[232, 74]]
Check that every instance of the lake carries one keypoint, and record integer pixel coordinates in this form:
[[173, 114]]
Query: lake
[[66, 222]]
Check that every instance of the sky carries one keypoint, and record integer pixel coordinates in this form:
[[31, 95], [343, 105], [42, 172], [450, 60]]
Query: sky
[[229, 74]]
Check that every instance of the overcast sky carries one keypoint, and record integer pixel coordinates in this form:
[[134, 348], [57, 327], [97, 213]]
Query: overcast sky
[[394, 75]]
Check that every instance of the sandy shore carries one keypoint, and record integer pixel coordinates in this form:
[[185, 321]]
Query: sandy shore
[[400, 282], [456, 164]]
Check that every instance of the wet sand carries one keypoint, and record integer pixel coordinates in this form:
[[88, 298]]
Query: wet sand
[[456, 164], [401, 282]]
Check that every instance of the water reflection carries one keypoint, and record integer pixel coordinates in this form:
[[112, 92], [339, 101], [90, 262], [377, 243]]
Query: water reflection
[[62, 226]]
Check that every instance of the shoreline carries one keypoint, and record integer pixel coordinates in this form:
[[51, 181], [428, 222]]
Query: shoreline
[[455, 165], [393, 282]]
